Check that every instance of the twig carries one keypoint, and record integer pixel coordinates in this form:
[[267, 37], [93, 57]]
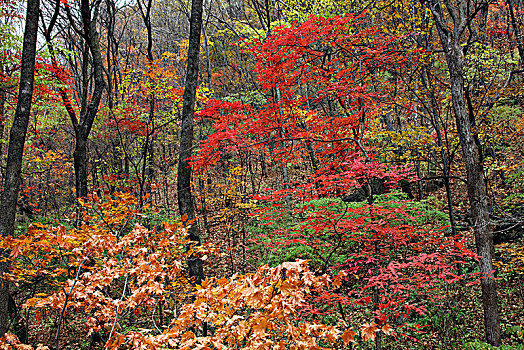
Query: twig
[[153, 320], [67, 294], [117, 309]]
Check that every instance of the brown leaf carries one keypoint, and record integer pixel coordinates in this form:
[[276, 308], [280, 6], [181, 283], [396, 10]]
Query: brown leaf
[[347, 336], [369, 331], [387, 329]]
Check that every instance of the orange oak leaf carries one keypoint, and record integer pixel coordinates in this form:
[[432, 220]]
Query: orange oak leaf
[[347, 336], [369, 331], [387, 329]]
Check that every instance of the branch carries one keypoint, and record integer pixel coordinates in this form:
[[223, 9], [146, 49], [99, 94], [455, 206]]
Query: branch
[[443, 177], [117, 310], [67, 294]]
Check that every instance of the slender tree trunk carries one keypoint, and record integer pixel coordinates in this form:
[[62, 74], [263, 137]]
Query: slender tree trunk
[[185, 199], [208, 58], [147, 172], [2, 114], [445, 171], [516, 30], [17, 135], [450, 39], [446, 161]]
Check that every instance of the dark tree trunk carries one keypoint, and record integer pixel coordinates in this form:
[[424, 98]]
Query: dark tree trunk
[[518, 37], [185, 199], [16, 148], [451, 44], [147, 173], [80, 163], [2, 114], [83, 126]]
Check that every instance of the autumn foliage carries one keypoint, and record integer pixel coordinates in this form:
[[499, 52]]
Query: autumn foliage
[[328, 186]]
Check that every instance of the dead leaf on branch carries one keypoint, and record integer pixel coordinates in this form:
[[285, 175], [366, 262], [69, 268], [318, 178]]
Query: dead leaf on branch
[[387, 329], [348, 336], [369, 331]]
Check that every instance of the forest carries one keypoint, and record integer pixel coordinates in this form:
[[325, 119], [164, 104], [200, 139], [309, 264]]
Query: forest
[[261, 174]]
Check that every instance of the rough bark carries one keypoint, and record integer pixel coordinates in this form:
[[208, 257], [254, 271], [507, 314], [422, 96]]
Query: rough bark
[[2, 113], [17, 136], [450, 39], [185, 199], [83, 125]]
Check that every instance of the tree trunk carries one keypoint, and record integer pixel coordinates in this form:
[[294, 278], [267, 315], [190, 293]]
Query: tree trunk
[[80, 164], [512, 8], [87, 115], [3, 97], [185, 199], [16, 148], [450, 39], [147, 173]]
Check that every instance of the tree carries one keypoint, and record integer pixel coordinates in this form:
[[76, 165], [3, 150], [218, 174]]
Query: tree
[[82, 122], [325, 83], [83, 125], [9, 59], [185, 199], [452, 27], [17, 137]]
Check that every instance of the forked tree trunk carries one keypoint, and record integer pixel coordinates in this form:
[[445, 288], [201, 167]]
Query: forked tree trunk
[[83, 123], [17, 136], [87, 117]]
